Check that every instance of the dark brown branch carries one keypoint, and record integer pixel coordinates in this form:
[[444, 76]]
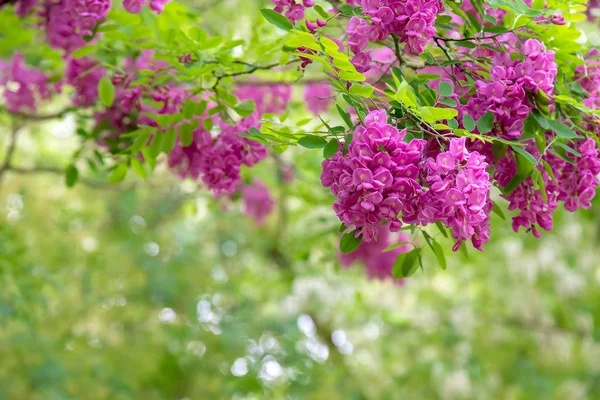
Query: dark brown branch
[[253, 68]]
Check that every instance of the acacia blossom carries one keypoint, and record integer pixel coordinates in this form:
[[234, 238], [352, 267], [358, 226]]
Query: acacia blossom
[[378, 264], [294, 11], [318, 97], [217, 161], [458, 194], [84, 74], [577, 182], [535, 209], [267, 98], [411, 22], [377, 179], [258, 202], [23, 86], [505, 93], [135, 6]]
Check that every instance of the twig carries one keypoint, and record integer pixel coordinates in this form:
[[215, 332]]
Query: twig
[[253, 68], [10, 150]]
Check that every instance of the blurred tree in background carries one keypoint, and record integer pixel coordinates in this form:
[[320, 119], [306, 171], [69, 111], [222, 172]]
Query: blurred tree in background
[[148, 290]]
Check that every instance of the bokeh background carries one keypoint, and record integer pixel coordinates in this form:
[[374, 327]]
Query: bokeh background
[[155, 290]]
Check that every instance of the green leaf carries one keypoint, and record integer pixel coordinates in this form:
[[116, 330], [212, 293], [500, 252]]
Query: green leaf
[[331, 148], [207, 124], [468, 123], [277, 19], [432, 114], [156, 145], [441, 228], [352, 76], [486, 122], [524, 169], [563, 156], [149, 157], [321, 12], [106, 91], [345, 116], [568, 149], [394, 246], [406, 264], [346, 9], [169, 140], [139, 169], [448, 102], [84, 51], [312, 142], [525, 154], [445, 89], [186, 135], [254, 132], [543, 122], [349, 242], [245, 109], [496, 30], [363, 90], [71, 175], [118, 174], [498, 211], [549, 171], [439, 254], [562, 130]]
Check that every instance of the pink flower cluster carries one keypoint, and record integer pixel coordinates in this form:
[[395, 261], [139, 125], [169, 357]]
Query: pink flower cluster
[[505, 94], [23, 86], [84, 74], [378, 264], [292, 10], [85, 14], [61, 27], [588, 76], [135, 6], [218, 160], [458, 194], [318, 97], [258, 202], [578, 181], [377, 179], [411, 21], [267, 98], [534, 209], [383, 180]]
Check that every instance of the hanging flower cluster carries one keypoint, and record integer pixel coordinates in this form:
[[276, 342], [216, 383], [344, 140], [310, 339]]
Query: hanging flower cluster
[[378, 264], [411, 22], [258, 202], [377, 179], [24, 87]]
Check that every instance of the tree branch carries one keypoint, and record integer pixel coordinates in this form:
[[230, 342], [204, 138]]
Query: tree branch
[[58, 171], [10, 150], [37, 117], [253, 68]]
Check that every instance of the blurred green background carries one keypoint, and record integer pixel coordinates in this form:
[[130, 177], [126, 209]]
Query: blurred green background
[[149, 290], [154, 290]]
